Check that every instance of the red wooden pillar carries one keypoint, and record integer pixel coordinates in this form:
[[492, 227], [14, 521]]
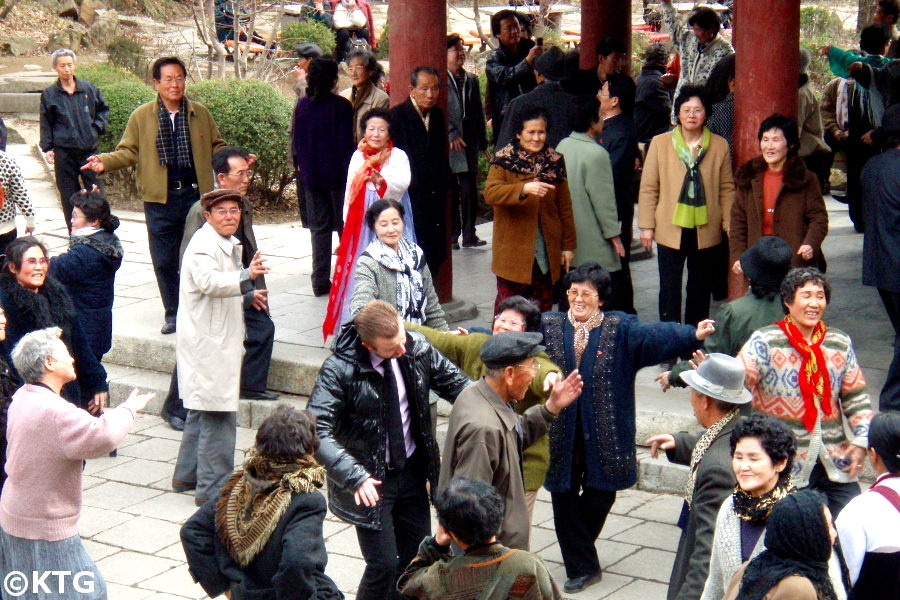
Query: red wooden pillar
[[767, 69], [418, 33], [601, 19]]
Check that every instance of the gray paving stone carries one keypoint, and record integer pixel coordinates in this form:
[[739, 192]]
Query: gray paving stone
[[173, 507], [628, 500], [116, 496], [652, 534], [93, 521], [665, 509], [97, 551], [89, 481], [129, 568], [646, 563], [640, 590], [344, 543], [603, 588], [138, 471], [123, 592], [543, 512], [141, 534], [174, 552], [157, 449], [616, 524], [95, 465], [331, 527], [175, 581], [163, 430], [345, 571]]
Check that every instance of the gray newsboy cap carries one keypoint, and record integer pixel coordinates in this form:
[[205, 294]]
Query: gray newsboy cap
[[721, 377], [510, 347]]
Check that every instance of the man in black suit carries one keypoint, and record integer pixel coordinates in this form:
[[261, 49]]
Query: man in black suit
[[465, 114], [420, 129]]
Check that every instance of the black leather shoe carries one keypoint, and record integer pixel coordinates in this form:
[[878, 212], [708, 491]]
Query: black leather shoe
[[176, 423], [576, 584], [321, 291], [476, 243], [455, 245], [167, 328], [263, 395], [183, 486]]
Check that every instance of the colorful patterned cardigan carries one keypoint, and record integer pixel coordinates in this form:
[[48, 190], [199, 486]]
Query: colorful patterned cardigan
[[772, 374]]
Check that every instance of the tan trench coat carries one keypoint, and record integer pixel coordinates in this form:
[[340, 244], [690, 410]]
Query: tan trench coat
[[210, 322], [482, 444], [661, 184], [515, 224]]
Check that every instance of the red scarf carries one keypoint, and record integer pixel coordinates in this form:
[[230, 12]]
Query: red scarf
[[375, 159], [815, 385]]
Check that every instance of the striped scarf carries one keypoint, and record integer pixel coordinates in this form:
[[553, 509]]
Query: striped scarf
[[173, 146], [815, 384], [254, 499]]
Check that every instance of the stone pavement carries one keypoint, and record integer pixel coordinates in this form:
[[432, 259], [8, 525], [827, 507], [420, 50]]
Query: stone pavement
[[130, 519]]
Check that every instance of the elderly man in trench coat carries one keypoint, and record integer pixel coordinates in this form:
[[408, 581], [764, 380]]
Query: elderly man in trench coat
[[210, 344], [486, 437]]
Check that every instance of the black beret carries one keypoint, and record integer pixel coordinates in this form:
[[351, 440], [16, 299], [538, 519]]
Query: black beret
[[510, 347]]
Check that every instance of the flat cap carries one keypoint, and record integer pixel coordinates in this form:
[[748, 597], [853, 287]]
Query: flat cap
[[509, 348], [209, 199], [308, 50]]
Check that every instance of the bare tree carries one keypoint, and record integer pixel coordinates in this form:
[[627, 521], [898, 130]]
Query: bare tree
[[205, 19]]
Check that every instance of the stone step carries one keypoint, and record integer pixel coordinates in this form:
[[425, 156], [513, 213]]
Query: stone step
[[124, 379], [26, 82], [20, 103]]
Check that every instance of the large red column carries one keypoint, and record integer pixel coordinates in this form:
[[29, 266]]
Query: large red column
[[601, 19], [418, 34], [767, 68]]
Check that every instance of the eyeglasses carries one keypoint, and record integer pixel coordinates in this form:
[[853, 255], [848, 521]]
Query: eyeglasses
[[533, 367], [171, 80], [507, 321], [35, 261], [248, 173], [231, 212], [573, 295], [689, 111]]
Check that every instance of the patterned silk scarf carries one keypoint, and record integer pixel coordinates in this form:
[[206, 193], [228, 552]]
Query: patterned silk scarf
[[254, 499], [173, 147], [700, 449], [547, 165], [375, 159], [405, 261], [756, 509], [691, 209], [583, 331], [815, 384]]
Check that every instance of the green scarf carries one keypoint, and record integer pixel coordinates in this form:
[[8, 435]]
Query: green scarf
[[691, 209]]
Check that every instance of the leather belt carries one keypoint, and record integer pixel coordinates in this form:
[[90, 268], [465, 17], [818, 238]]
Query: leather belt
[[177, 184]]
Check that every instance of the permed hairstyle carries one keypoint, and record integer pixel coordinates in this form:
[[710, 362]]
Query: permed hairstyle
[[776, 439], [592, 273], [800, 276], [287, 434], [95, 208], [321, 77], [378, 207], [529, 113], [692, 91], [33, 350], [788, 127], [705, 18], [525, 307], [375, 113], [372, 66], [470, 509]]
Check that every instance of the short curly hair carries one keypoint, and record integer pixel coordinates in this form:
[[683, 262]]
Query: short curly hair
[[287, 434], [470, 509], [800, 276], [788, 128], [594, 274], [525, 307], [774, 436]]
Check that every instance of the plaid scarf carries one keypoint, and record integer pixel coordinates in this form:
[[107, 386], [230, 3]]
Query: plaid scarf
[[254, 499], [691, 208], [700, 449], [173, 147], [815, 384]]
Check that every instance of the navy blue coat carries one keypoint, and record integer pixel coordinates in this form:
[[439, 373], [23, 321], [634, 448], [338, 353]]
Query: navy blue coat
[[615, 351], [88, 272], [881, 201]]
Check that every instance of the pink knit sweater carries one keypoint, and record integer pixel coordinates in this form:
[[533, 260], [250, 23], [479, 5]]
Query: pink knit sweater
[[48, 438]]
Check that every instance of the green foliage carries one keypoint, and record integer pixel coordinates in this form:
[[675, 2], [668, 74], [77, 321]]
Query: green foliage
[[127, 54], [820, 27], [256, 116], [384, 42], [308, 32], [103, 75], [122, 97]]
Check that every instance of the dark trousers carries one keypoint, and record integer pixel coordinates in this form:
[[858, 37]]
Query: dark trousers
[[539, 291], [836, 494], [165, 228], [579, 516], [464, 195], [6, 239], [623, 288], [71, 179], [323, 211], [819, 164], [858, 154], [405, 521], [890, 393], [301, 202], [701, 267], [258, 344]]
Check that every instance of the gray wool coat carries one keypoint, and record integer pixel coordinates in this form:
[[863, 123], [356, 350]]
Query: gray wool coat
[[376, 282], [714, 483]]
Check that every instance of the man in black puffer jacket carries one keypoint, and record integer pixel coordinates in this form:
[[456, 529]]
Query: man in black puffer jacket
[[377, 438]]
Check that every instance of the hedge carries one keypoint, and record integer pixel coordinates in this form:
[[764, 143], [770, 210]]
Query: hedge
[[122, 98], [308, 31], [103, 75]]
